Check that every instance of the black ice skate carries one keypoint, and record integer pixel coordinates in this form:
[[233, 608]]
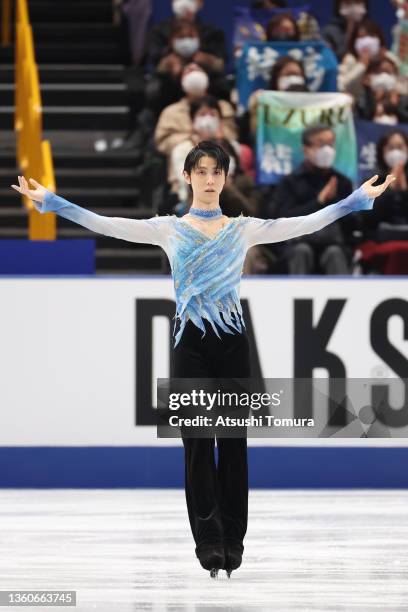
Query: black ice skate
[[233, 558], [212, 559]]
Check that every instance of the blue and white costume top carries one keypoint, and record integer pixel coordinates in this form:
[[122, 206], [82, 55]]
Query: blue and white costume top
[[206, 271]]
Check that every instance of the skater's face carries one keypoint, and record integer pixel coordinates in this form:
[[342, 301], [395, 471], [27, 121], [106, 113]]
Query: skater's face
[[206, 180]]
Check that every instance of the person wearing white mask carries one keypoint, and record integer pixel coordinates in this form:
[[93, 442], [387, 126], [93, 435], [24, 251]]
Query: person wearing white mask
[[387, 227], [384, 99], [367, 41], [337, 33], [392, 154], [211, 53], [183, 46], [312, 186], [175, 124], [287, 74]]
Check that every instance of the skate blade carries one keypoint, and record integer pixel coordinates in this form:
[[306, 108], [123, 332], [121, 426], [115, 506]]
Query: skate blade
[[229, 572], [214, 573]]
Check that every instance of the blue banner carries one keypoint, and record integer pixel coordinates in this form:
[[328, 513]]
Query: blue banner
[[282, 118], [368, 134], [257, 59]]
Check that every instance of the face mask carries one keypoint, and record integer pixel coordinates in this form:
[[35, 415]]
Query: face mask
[[367, 43], [182, 7], [386, 119], [207, 123], [395, 156], [384, 81], [195, 82], [285, 82], [323, 157], [186, 46], [355, 11]]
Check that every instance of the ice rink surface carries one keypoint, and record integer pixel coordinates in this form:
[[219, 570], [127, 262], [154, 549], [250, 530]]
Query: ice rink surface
[[127, 550]]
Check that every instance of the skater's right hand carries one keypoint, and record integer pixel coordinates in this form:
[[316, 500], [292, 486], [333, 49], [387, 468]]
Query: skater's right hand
[[36, 194]]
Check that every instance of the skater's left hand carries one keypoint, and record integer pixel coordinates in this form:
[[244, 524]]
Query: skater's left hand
[[36, 194], [373, 191]]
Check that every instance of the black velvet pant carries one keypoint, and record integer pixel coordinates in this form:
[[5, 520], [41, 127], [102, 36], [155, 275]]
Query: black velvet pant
[[216, 495]]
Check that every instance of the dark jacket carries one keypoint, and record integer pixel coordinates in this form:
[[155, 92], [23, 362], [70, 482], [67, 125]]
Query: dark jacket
[[391, 207], [297, 194], [334, 33]]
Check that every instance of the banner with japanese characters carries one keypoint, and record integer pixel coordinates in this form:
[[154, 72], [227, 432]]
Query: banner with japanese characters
[[368, 135], [257, 59], [282, 117]]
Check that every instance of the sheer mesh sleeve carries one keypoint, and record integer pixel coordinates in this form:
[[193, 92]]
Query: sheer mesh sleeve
[[149, 231], [263, 231]]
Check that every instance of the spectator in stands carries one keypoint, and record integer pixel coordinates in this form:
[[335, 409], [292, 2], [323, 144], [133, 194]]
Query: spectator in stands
[[366, 42], [385, 250], [312, 186], [287, 74], [392, 158], [337, 33], [282, 28], [211, 54], [164, 87], [307, 25], [382, 100], [175, 124]]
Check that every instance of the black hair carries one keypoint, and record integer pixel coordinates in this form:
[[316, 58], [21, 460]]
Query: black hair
[[180, 25], [375, 64], [209, 101], [275, 23], [385, 138], [309, 132], [280, 63], [206, 148]]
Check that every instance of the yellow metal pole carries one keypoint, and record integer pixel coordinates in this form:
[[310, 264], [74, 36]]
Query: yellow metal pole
[[6, 23], [34, 155]]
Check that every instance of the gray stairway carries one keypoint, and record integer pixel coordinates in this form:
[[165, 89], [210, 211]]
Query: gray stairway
[[84, 95]]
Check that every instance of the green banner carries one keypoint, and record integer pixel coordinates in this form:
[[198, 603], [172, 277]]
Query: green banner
[[281, 119]]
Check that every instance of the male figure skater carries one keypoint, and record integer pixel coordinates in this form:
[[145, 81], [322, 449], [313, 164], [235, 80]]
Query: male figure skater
[[206, 251]]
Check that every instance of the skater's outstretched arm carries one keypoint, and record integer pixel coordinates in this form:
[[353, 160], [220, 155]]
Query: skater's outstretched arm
[[263, 231], [149, 231]]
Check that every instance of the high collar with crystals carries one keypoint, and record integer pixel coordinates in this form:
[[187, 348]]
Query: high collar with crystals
[[199, 212]]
